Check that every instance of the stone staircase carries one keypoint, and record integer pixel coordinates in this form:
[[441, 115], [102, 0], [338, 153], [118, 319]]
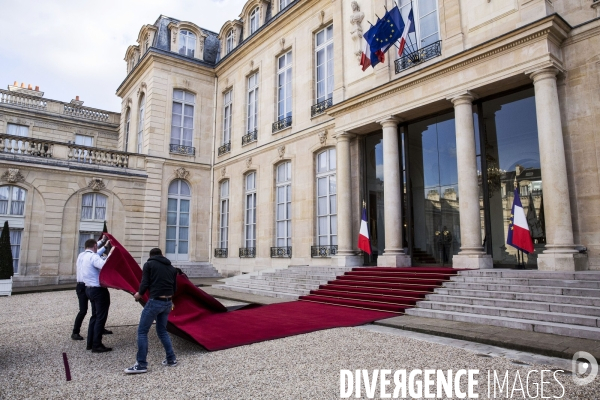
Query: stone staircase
[[198, 270], [561, 303], [289, 283]]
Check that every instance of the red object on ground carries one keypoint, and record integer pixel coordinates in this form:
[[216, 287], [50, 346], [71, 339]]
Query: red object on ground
[[200, 318]]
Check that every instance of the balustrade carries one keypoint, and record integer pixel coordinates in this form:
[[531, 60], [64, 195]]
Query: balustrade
[[22, 100]]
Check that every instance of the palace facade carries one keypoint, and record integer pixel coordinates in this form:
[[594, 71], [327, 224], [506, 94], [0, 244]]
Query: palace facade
[[258, 146]]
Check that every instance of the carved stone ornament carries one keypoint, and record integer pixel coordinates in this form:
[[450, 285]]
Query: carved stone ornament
[[282, 42], [186, 83], [321, 17], [323, 137], [251, 65], [142, 87], [182, 173], [248, 162], [12, 176], [281, 151], [356, 32], [223, 171], [96, 184]]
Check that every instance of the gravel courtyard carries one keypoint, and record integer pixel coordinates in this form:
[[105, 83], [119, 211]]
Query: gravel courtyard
[[35, 330]]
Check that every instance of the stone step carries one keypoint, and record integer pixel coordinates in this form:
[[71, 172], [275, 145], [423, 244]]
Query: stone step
[[525, 289], [516, 304], [325, 269], [290, 278], [590, 284], [199, 271], [266, 287], [529, 274], [584, 332], [561, 318], [545, 298], [258, 292]]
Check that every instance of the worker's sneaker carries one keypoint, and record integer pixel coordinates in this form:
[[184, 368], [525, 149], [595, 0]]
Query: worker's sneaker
[[136, 369], [169, 363]]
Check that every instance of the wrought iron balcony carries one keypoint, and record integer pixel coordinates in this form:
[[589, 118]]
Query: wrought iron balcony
[[419, 56], [221, 253], [250, 137], [281, 252], [282, 124], [226, 148], [320, 108], [247, 252], [323, 251], [179, 149]]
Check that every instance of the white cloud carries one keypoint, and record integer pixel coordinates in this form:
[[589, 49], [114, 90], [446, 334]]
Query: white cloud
[[75, 47]]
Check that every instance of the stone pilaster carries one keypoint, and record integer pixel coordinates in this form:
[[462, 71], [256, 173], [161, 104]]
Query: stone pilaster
[[472, 254], [560, 253]]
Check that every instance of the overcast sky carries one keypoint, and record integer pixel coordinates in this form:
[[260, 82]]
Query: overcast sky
[[76, 47]]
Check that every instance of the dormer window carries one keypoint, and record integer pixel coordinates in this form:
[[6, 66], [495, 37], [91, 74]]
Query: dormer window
[[229, 42], [254, 20], [187, 43]]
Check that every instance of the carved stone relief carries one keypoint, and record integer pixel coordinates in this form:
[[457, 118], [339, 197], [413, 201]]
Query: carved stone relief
[[281, 151], [249, 162], [323, 137], [356, 31], [182, 173], [96, 184], [12, 176]]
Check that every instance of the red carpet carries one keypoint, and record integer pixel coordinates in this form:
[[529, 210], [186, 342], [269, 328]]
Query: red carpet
[[200, 318]]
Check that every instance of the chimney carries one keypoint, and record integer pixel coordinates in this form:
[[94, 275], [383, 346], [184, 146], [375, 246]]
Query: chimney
[[23, 85], [25, 90], [77, 98], [76, 101], [29, 86], [15, 84], [37, 88]]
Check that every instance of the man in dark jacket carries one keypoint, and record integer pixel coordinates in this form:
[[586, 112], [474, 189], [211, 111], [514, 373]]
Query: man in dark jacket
[[160, 278]]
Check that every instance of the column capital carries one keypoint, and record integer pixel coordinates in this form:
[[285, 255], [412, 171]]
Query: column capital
[[389, 121], [540, 74], [343, 136], [464, 97]]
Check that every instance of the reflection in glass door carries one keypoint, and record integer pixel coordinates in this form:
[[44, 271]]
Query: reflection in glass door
[[178, 221]]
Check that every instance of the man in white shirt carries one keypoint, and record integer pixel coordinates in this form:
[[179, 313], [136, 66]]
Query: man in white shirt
[[90, 264]]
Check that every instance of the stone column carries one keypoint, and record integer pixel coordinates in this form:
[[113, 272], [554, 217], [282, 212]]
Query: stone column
[[393, 255], [472, 254], [560, 253], [346, 255]]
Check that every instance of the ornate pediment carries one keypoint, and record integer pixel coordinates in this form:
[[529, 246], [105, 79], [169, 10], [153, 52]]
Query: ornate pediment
[[182, 173], [96, 184]]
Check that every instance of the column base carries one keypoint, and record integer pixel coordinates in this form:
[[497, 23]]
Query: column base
[[562, 262], [472, 261], [393, 260], [347, 261]]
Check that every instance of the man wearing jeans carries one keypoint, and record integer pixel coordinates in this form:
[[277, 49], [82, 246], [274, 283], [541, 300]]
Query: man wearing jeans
[[160, 278]]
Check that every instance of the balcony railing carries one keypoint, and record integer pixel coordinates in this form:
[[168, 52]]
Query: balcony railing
[[84, 112], [281, 252], [26, 146], [179, 149], [419, 56], [221, 253], [320, 108], [282, 124], [323, 251], [226, 148], [247, 252], [250, 137], [22, 100]]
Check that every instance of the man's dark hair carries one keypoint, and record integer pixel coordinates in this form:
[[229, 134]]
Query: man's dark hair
[[89, 244], [155, 252]]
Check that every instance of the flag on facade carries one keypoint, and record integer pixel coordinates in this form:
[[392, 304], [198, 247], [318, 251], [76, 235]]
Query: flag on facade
[[365, 58], [364, 241], [409, 27], [380, 37], [519, 236]]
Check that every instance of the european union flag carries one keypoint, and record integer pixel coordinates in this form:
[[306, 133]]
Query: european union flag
[[388, 30]]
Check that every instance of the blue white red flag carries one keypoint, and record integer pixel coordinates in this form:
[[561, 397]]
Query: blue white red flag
[[364, 241], [409, 27], [380, 37], [519, 236]]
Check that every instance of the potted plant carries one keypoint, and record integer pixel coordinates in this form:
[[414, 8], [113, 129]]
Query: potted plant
[[6, 262]]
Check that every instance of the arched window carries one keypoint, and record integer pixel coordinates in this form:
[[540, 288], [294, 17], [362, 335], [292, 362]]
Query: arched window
[[250, 211], [224, 215], [254, 20], [178, 220], [182, 121], [93, 207], [187, 43], [326, 199], [140, 135], [127, 125], [283, 213], [229, 42]]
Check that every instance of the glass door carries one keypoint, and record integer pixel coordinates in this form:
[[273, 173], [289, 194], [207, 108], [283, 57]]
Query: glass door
[[178, 221]]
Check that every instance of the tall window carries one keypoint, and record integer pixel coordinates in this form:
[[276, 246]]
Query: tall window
[[229, 42], [224, 215], [182, 122], [284, 86], [15, 247], [12, 200], [178, 220], [250, 211], [426, 23], [127, 125], [284, 3], [140, 135], [254, 20], [15, 130], [187, 43], [284, 205], [324, 63], [252, 102], [227, 117], [93, 207], [83, 236], [326, 199]]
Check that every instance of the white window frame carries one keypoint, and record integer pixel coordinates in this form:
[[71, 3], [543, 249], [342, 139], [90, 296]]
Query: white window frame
[[328, 198], [283, 202], [227, 115], [127, 126], [254, 20], [15, 130], [229, 45], [94, 206], [14, 191], [187, 100], [15, 247], [187, 43], [284, 92], [417, 39], [140, 135], [252, 120], [250, 210], [224, 214], [327, 48], [179, 197]]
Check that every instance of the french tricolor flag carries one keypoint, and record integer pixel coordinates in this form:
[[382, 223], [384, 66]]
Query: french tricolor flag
[[409, 27], [519, 236], [364, 242]]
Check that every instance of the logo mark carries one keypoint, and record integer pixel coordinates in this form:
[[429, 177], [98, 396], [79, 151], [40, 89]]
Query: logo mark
[[589, 366]]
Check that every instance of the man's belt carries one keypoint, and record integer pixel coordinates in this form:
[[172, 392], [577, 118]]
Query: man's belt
[[163, 298]]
